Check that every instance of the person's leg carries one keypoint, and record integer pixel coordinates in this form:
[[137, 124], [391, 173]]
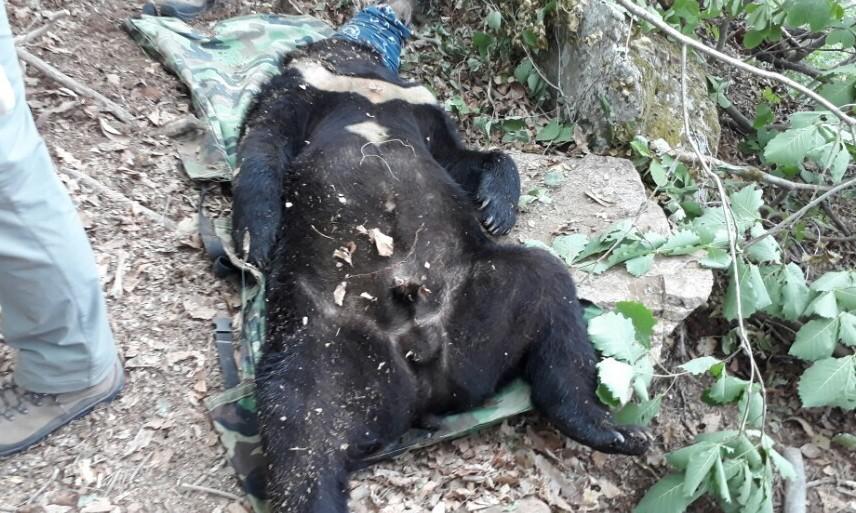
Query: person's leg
[[50, 292]]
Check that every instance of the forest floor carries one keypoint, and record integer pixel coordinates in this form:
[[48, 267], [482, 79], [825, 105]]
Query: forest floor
[[140, 452]]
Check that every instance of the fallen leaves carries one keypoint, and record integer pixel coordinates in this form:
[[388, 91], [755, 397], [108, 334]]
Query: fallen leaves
[[346, 253], [339, 293], [384, 244]]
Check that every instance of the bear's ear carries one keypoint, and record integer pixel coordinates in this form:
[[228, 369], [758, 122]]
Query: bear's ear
[[409, 291]]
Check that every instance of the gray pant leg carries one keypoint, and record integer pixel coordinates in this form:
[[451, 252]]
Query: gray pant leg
[[53, 310]]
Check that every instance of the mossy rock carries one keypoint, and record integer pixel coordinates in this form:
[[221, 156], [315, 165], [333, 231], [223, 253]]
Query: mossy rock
[[619, 82]]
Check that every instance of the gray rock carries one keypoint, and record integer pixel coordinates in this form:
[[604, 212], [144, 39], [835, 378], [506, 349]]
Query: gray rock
[[594, 193], [618, 81]]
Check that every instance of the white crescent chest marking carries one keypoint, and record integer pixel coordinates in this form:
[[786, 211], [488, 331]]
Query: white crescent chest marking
[[369, 130], [375, 91]]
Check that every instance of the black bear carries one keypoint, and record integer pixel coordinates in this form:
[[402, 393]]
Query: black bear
[[387, 301]]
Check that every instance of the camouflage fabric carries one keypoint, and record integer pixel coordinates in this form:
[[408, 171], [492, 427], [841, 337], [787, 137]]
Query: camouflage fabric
[[223, 71]]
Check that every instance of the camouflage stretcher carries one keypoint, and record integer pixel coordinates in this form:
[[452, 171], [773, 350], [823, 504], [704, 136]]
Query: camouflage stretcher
[[224, 70]]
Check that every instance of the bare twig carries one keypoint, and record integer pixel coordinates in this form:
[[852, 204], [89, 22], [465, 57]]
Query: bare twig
[[796, 216], [210, 491], [37, 33], [795, 489], [749, 172], [118, 197], [724, 29], [671, 32], [799, 67], [740, 119], [827, 209], [61, 78], [731, 228]]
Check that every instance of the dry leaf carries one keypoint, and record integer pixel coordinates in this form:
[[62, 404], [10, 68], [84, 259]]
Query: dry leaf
[[339, 293], [197, 310], [107, 128], [177, 356], [383, 242], [343, 254], [98, 506]]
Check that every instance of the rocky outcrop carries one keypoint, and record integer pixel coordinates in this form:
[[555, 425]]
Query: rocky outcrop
[[591, 194], [618, 81]]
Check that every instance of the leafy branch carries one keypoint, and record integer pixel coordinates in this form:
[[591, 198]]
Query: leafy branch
[[654, 20]]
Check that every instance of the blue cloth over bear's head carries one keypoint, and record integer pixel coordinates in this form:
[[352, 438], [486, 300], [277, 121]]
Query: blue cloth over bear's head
[[379, 28]]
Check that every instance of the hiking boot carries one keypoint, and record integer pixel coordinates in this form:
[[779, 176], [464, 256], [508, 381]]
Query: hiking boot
[[28, 417]]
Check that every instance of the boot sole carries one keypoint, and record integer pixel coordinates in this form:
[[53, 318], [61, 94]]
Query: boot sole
[[50, 428]]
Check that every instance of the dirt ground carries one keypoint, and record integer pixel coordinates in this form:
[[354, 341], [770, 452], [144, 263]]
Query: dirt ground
[[153, 449]]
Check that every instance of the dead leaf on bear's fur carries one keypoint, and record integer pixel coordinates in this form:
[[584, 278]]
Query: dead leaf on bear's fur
[[344, 254], [339, 293], [383, 242]]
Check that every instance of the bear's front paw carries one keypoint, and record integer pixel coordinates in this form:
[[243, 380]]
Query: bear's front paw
[[631, 440], [498, 194]]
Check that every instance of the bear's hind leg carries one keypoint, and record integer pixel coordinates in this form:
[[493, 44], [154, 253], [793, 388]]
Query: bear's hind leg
[[322, 408], [561, 369]]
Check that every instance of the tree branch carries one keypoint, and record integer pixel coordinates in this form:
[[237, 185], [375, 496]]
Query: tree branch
[[740, 119], [799, 67], [749, 172], [640, 12], [791, 219]]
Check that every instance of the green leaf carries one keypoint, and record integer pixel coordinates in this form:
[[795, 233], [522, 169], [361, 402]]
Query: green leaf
[[710, 226], [698, 468], [494, 20], [720, 481], [846, 298], [754, 38], [513, 124], [727, 389], [658, 173], [815, 13], [483, 42], [823, 383], [617, 377], [766, 249], [746, 205], [753, 292], [716, 258], [832, 158], [752, 401], [795, 293], [530, 38], [844, 37], [613, 335], [523, 70], [783, 466], [699, 365], [640, 265], [846, 440], [666, 496], [554, 178], [763, 116], [815, 340], [639, 145], [847, 329], [789, 148], [840, 92], [549, 131], [682, 243], [639, 414], [642, 318], [569, 246], [832, 281], [823, 305]]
